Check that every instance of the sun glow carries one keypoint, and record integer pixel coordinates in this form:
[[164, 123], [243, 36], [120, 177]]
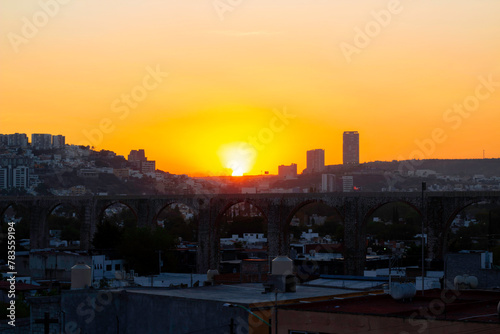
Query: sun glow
[[239, 157]]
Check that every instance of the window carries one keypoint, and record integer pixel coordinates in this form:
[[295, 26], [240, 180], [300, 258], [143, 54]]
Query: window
[[108, 267], [117, 266]]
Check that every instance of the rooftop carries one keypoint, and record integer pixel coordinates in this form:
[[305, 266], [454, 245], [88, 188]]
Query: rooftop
[[349, 282], [468, 305], [4, 285], [245, 294]]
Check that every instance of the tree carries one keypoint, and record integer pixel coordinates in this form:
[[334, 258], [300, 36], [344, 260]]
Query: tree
[[69, 226], [139, 246], [108, 236], [242, 224]]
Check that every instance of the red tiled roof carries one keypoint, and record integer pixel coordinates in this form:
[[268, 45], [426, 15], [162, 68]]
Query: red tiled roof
[[4, 285], [462, 305]]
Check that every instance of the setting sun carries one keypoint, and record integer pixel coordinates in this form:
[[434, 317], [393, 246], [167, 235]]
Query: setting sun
[[182, 79], [239, 157]]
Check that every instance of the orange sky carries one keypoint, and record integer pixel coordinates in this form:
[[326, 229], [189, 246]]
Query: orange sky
[[231, 69]]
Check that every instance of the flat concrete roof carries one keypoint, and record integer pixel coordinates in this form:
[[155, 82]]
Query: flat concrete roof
[[348, 283], [246, 294], [165, 279]]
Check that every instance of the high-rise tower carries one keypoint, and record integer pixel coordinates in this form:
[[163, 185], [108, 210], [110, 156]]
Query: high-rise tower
[[315, 161], [351, 148]]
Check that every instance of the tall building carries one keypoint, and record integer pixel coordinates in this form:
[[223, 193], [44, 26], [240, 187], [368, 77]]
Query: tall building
[[139, 161], [328, 183], [4, 177], [351, 148], [315, 160], [41, 141], [14, 177], [20, 177], [347, 184], [14, 172], [288, 172], [16, 139], [58, 141], [137, 155]]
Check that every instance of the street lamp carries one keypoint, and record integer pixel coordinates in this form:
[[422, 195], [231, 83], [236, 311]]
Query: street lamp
[[246, 309]]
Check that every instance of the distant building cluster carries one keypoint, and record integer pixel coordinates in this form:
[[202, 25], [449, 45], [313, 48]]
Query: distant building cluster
[[73, 170], [45, 141], [14, 173], [16, 139], [49, 166], [315, 159], [17, 169], [39, 141], [248, 239], [140, 162], [315, 163]]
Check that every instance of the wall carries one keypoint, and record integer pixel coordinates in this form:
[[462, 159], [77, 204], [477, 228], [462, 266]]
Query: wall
[[38, 307], [93, 311], [470, 264], [56, 266]]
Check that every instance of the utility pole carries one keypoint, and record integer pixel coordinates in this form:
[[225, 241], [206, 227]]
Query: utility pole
[[276, 311], [159, 262], [424, 186]]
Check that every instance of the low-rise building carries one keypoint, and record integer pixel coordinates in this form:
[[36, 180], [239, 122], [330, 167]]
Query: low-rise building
[[474, 263], [88, 173], [247, 239], [56, 265], [121, 173], [78, 190], [287, 172], [438, 311], [236, 308]]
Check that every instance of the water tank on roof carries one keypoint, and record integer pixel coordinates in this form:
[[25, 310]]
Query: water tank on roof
[[466, 282], [81, 276], [119, 275], [471, 281], [403, 291], [282, 265], [211, 273], [458, 280]]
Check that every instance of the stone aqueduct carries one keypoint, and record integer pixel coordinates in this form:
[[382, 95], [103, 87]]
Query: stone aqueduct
[[438, 210]]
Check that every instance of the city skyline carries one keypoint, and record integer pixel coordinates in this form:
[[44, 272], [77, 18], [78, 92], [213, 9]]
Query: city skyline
[[202, 89], [315, 157]]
